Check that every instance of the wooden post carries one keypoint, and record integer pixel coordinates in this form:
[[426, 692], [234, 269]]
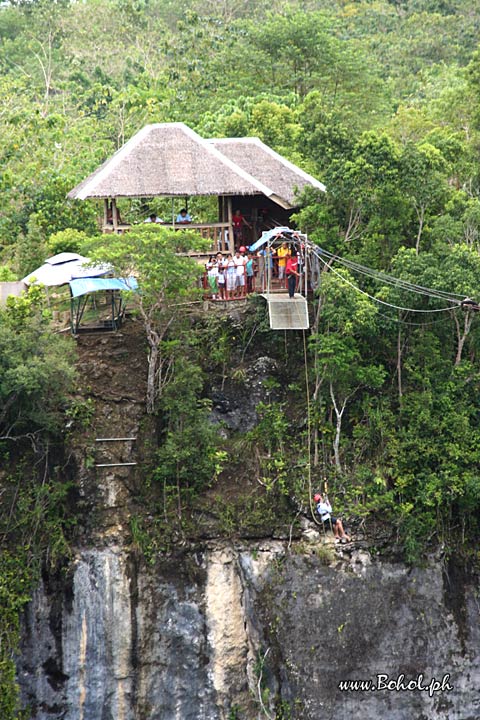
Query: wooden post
[[231, 238], [114, 215], [219, 232], [105, 213]]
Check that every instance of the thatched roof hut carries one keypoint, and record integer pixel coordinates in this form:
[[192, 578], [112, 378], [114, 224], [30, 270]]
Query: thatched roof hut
[[169, 160], [268, 167]]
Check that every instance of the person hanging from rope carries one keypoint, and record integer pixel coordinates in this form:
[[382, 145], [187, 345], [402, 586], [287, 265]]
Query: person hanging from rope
[[324, 509]]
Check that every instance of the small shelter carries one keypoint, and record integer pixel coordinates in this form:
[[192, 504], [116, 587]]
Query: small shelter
[[60, 269], [171, 160], [85, 282], [83, 289]]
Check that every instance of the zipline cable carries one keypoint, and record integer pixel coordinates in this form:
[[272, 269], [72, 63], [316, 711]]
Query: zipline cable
[[413, 324], [384, 277], [398, 282], [383, 302]]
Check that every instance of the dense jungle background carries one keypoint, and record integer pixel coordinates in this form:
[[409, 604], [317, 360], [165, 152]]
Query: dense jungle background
[[381, 102]]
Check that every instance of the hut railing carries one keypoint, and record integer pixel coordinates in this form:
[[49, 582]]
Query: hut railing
[[218, 233]]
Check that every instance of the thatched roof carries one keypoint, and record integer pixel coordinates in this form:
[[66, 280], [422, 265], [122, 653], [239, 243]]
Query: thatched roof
[[169, 159], [270, 168]]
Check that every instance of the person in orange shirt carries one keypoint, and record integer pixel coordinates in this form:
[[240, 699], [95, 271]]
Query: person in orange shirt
[[282, 253]]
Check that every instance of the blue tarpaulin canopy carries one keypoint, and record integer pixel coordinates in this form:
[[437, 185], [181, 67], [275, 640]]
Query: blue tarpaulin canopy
[[82, 286], [270, 235]]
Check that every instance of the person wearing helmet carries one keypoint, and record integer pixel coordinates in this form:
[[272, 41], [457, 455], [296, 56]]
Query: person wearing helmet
[[324, 509]]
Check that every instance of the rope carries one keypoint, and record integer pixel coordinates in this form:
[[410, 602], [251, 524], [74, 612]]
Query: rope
[[413, 324], [383, 302], [390, 279], [309, 434]]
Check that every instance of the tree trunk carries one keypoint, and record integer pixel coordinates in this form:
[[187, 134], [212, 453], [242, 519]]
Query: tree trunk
[[399, 365], [421, 220], [336, 441], [151, 376], [462, 336]]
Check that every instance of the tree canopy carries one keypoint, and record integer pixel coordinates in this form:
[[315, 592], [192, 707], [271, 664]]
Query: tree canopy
[[379, 100]]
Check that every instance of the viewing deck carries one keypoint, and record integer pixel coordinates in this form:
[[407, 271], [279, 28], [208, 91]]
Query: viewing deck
[[220, 234]]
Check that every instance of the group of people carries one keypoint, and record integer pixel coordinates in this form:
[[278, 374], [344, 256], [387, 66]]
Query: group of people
[[182, 218], [231, 277], [234, 276]]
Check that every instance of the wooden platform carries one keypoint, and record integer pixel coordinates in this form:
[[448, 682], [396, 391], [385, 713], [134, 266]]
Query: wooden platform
[[287, 313]]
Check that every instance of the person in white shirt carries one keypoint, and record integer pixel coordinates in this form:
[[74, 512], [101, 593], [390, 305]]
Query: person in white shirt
[[212, 276], [221, 276], [240, 263], [153, 219], [230, 276], [324, 509]]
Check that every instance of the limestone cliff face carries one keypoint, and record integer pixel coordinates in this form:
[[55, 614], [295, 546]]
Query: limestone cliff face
[[230, 631], [248, 632]]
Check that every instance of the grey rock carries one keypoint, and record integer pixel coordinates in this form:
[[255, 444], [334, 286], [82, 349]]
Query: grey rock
[[112, 639]]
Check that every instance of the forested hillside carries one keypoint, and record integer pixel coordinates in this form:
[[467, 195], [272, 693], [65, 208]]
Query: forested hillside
[[378, 100], [381, 102]]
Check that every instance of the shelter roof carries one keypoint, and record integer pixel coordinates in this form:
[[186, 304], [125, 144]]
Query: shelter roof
[[88, 285], [285, 233], [61, 268], [64, 257], [270, 168], [171, 160]]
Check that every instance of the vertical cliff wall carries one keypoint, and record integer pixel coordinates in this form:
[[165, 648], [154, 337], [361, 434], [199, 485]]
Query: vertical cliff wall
[[247, 632], [218, 630]]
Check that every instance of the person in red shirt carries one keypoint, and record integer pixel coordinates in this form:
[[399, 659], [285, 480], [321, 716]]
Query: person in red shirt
[[238, 221], [291, 271]]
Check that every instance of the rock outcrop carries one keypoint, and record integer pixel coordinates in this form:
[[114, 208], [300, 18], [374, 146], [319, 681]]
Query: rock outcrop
[[218, 630], [247, 632]]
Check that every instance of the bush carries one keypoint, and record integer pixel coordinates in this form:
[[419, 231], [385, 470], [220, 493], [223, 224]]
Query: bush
[[68, 240]]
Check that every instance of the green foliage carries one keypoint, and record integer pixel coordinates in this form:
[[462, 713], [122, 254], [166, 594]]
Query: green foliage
[[7, 275], [35, 521], [36, 379], [35, 368], [188, 456], [15, 582], [80, 412], [30, 249], [167, 278], [68, 240], [152, 254], [144, 540]]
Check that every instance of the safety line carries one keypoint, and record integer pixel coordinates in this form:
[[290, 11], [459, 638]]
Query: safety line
[[383, 302], [384, 277]]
